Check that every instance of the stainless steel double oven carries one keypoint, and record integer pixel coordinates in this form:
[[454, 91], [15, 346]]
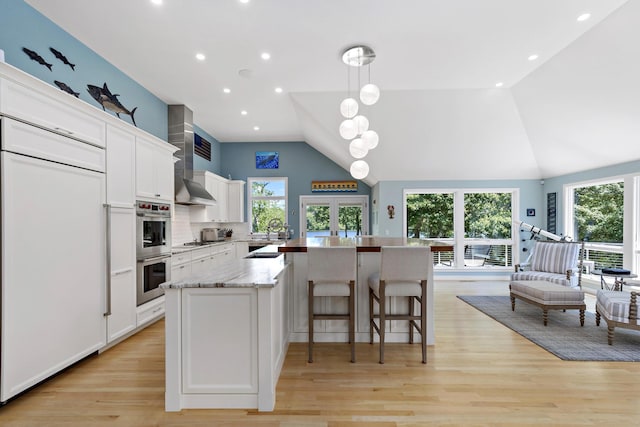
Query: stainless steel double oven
[[153, 249]]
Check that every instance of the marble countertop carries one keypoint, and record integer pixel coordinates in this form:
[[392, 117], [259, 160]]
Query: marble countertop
[[362, 244], [185, 248], [239, 273]]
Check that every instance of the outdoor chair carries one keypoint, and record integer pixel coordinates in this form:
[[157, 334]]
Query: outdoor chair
[[555, 262]]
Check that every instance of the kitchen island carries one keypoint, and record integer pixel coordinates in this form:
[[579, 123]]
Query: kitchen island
[[368, 249], [227, 335]]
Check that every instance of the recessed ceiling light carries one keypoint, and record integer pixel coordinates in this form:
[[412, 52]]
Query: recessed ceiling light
[[243, 112], [256, 128], [226, 90], [532, 57], [265, 55], [278, 90], [244, 1], [584, 17], [200, 56], [499, 84], [156, 2]]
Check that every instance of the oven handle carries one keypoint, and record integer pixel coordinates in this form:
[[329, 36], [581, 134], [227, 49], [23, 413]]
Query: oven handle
[[107, 207], [157, 258]]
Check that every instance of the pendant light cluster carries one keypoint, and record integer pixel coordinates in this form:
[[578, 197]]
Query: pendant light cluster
[[355, 127]]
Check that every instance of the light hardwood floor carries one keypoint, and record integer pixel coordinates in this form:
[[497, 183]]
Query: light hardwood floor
[[479, 373]]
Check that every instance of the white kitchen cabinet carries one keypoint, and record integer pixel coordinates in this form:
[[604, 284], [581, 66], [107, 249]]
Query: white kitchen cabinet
[[121, 297], [121, 151], [242, 249], [209, 344], [154, 170], [223, 253], [180, 265], [218, 187], [121, 292], [201, 260], [150, 311], [235, 202], [44, 108]]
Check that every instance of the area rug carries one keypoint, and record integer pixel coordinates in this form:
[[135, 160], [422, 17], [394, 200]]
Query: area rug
[[563, 335]]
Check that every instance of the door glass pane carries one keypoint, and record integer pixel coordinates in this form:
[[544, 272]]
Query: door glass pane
[[318, 220], [350, 220]]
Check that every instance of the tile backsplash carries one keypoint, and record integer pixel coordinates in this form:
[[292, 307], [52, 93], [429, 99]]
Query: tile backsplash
[[183, 230]]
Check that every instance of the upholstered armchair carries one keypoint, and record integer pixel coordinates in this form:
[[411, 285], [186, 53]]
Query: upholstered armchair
[[556, 262]]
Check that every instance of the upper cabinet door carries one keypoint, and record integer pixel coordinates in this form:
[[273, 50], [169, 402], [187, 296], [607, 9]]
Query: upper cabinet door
[[51, 113], [154, 170], [235, 203], [121, 147]]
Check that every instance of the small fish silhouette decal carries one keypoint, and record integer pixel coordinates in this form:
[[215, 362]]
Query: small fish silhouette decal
[[66, 88], [35, 57], [62, 58], [110, 101]]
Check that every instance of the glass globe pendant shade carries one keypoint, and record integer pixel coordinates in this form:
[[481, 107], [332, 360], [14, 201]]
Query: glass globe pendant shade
[[359, 169], [358, 148], [349, 108], [348, 129], [370, 139], [369, 94], [361, 124]]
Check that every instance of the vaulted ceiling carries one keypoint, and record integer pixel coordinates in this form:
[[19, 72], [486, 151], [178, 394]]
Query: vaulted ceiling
[[440, 114]]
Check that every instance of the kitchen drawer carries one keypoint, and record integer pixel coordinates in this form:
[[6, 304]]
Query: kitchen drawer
[[181, 258], [56, 114], [200, 253], [150, 311]]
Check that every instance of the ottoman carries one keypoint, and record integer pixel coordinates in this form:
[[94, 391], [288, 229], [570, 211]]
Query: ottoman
[[548, 296], [619, 309]]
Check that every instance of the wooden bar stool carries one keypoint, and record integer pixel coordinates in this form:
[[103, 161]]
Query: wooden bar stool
[[403, 273], [332, 273]]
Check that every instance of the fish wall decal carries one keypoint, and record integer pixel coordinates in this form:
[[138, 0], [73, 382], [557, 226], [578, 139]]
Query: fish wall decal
[[62, 58], [66, 88], [110, 101], [35, 57]]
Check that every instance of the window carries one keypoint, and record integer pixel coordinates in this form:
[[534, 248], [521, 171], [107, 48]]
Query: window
[[478, 222], [595, 214], [267, 201]]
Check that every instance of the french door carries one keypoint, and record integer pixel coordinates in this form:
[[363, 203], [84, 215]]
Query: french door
[[344, 216]]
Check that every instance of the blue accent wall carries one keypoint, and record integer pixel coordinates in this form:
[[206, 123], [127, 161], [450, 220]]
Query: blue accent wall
[[202, 164], [22, 26], [298, 161]]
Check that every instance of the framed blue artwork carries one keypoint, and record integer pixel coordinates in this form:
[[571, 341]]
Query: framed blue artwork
[[267, 160]]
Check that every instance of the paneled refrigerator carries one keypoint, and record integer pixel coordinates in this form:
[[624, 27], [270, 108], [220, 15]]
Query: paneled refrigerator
[[53, 226]]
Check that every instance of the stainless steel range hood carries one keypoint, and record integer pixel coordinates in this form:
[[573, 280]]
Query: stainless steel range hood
[[188, 192]]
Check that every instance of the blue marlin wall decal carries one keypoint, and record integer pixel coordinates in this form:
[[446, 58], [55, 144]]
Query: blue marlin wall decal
[[110, 101]]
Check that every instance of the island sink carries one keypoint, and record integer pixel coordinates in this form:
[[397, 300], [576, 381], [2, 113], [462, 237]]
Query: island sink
[[263, 255]]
